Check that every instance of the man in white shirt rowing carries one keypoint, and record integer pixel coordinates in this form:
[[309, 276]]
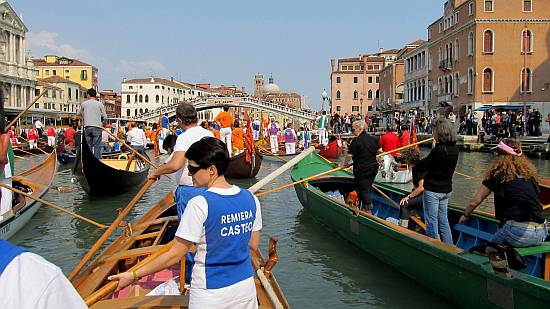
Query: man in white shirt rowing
[[136, 138]]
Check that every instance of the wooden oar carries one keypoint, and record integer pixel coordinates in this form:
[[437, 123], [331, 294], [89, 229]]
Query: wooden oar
[[414, 218], [269, 153], [25, 110], [38, 147], [303, 180], [144, 158], [112, 285], [404, 147], [18, 157], [110, 230], [23, 151], [101, 226], [464, 175]]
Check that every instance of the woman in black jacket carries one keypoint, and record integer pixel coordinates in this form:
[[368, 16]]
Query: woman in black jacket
[[438, 168]]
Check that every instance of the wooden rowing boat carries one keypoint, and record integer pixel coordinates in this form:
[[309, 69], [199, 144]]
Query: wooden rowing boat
[[239, 168], [448, 270], [333, 150], [37, 180], [24, 150], [66, 158], [146, 236], [108, 176]]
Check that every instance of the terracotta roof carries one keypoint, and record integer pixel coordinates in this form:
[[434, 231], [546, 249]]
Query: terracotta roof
[[156, 80], [389, 51], [417, 42], [375, 59], [349, 59], [58, 79], [44, 84], [72, 63]]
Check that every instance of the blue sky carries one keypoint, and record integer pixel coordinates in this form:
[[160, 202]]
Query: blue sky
[[222, 42]]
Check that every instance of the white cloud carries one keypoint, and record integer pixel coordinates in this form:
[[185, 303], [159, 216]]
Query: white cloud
[[146, 66], [45, 41]]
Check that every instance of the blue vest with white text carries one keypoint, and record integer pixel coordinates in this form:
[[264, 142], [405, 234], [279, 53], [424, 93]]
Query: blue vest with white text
[[228, 229], [8, 252]]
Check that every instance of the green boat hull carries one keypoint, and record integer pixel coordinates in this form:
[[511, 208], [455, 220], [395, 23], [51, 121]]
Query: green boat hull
[[465, 279]]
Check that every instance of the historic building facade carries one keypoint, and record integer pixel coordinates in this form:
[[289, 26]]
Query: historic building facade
[[142, 95], [112, 102], [391, 87], [416, 80], [17, 73], [72, 69], [486, 52], [72, 94]]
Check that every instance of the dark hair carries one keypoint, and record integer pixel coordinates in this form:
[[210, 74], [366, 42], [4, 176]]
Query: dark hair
[[187, 113], [236, 124], [404, 128], [169, 142], [2, 114], [209, 151], [91, 92], [225, 108], [324, 112]]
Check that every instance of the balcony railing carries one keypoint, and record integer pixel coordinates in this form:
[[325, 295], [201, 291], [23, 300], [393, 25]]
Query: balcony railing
[[446, 65]]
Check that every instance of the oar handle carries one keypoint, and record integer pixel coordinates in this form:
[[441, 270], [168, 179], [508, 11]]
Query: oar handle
[[49, 204], [24, 111], [110, 230], [404, 147], [111, 286]]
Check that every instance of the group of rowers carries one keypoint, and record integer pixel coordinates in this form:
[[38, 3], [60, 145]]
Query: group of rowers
[[511, 177]]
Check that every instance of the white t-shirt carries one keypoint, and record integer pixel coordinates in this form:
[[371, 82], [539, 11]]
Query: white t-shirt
[[184, 141], [192, 229], [29, 281], [136, 137]]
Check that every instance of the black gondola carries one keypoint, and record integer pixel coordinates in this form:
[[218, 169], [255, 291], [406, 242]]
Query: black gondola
[[98, 178]]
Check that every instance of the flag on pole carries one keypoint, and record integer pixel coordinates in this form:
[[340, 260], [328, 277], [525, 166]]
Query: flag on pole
[[413, 131]]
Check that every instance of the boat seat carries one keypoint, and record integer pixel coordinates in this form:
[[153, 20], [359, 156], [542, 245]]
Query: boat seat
[[542, 248], [120, 164]]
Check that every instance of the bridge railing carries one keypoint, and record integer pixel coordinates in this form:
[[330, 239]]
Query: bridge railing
[[255, 103]]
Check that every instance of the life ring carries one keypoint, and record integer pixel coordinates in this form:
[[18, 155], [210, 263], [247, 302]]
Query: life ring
[[122, 156]]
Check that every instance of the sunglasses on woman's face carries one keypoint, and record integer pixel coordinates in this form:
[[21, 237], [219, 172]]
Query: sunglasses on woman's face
[[194, 169]]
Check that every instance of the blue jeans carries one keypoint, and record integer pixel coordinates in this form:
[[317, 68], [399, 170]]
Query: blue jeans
[[93, 139], [520, 236], [435, 214], [182, 196]]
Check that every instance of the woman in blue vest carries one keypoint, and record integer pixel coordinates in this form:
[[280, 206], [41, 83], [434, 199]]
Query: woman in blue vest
[[225, 223]]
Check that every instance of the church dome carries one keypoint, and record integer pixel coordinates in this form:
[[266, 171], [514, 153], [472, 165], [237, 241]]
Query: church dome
[[271, 88]]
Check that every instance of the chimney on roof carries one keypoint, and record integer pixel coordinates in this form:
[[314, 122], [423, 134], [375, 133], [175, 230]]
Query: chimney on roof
[[380, 50], [332, 64], [172, 79], [124, 80], [152, 79]]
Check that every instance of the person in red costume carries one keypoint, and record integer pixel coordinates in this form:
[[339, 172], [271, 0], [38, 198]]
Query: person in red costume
[[32, 137], [389, 141]]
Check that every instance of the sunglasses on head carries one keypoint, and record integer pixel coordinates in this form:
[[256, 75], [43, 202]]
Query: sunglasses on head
[[194, 169]]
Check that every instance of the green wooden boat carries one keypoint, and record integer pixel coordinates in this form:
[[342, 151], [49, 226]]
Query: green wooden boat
[[464, 278]]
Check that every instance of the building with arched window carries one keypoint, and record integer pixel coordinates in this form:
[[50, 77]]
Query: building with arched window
[[18, 75], [148, 94], [505, 60]]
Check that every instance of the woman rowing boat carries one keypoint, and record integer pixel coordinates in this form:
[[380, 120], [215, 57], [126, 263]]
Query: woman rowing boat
[[224, 222], [512, 179]]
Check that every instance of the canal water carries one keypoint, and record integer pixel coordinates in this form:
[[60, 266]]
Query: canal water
[[316, 267]]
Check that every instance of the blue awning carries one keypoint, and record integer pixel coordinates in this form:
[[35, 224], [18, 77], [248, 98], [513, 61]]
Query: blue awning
[[503, 107]]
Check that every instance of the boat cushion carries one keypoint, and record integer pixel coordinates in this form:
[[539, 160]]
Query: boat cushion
[[120, 164], [543, 248]]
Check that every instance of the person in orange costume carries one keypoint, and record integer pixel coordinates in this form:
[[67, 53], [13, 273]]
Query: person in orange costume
[[237, 138], [225, 120]]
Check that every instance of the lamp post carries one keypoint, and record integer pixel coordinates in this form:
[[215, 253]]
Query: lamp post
[[324, 95]]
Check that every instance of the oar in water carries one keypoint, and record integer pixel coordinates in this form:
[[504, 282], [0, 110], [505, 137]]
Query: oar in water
[[464, 175], [31, 104], [24, 151], [110, 230], [18, 157], [44, 202], [404, 147], [42, 150]]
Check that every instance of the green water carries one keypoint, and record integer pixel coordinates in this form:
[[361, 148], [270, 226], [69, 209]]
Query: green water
[[316, 267]]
